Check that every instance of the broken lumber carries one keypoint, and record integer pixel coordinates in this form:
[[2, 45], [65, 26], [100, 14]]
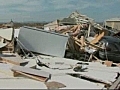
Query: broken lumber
[[54, 85], [93, 45], [110, 64], [31, 73], [13, 59], [42, 79], [71, 29], [89, 30], [115, 85], [102, 33], [89, 78], [87, 43]]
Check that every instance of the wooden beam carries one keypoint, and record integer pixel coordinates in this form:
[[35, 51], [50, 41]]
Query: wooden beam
[[71, 29], [102, 33], [101, 61], [115, 85], [13, 59], [78, 44], [82, 41], [89, 30], [93, 45], [38, 78], [31, 71], [108, 63], [90, 78]]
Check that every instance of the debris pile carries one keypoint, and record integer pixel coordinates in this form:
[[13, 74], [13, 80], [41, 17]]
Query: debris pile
[[72, 53], [88, 37]]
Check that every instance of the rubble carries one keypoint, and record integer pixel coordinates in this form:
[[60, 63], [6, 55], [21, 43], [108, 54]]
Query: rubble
[[13, 59], [32, 73], [65, 55], [7, 40]]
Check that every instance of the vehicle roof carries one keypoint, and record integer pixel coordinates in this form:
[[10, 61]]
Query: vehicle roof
[[111, 39]]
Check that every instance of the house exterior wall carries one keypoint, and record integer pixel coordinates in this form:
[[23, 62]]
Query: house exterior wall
[[52, 26], [113, 24]]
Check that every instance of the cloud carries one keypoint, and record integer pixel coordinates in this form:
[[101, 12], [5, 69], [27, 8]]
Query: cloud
[[81, 4], [98, 3], [45, 5], [11, 2], [38, 9]]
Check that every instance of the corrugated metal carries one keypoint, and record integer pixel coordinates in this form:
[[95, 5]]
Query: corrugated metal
[[41, 41]]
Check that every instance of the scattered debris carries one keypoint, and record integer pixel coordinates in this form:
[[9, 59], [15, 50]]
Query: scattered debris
[[108, 63], [116, 84], [32, 73], [73, 50], [13, 59], [7, 40], [90, 79], [54, 85]]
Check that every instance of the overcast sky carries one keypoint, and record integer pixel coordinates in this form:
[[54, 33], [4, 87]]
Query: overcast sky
[[49, 10]]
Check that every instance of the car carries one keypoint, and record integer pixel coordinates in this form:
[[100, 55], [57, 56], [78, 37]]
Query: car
[[111, 49]]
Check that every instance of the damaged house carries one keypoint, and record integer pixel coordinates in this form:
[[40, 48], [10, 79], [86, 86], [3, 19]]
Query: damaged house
[[72, 53], [114, 23]]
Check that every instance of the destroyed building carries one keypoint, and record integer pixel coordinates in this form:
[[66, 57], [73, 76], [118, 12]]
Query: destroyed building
[[63, 55], [114, 23]]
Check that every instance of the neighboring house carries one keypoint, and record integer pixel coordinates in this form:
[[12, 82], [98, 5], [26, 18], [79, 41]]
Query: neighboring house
[[114, 23], [59, 24], [73, 19], [8, 25], [52, 26], [80, 18]]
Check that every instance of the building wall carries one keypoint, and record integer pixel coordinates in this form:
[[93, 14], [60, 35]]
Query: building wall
[[52, 26], [113, 24]]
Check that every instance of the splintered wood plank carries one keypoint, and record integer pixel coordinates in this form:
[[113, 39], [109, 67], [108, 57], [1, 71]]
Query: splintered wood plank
[[70, 29], [31, 71], [13, 59], [54, 85], [89, 30], [98, 37], [82, 40], [108, 63], [38, 78], [89, 78], [115, 85], [93, 45]]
